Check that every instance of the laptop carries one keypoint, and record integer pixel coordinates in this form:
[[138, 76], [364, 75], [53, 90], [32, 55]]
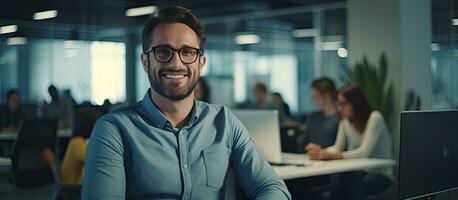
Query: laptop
[[264, 129]]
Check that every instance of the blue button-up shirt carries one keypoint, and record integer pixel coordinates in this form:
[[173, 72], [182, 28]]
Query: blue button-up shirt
[[135, 153]]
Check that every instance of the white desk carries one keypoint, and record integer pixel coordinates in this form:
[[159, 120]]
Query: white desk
[[11, 135], [316, 168]]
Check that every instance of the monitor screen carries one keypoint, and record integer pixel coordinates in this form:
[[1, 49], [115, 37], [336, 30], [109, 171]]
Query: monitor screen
[[428, 153]]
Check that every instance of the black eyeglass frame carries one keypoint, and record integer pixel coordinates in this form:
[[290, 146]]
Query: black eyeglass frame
[[200, 52]]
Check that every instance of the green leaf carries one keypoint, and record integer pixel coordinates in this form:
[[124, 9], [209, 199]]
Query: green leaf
[[418, 105], [387, 105], [409, 102], [383, 67]]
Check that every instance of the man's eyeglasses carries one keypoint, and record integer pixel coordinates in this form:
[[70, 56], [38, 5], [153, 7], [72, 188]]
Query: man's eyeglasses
[[164, 54]]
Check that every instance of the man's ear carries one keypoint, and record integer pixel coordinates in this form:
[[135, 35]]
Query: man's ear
[[202, 61], [144, 59]]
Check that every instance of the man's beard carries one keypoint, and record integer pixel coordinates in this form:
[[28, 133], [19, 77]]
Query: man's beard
[[170, 93]]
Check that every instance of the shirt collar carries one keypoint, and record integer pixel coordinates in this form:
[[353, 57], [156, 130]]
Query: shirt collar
[[158, 119]]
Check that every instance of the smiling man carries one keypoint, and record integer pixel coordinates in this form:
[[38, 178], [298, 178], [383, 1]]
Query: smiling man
[[170, 146]]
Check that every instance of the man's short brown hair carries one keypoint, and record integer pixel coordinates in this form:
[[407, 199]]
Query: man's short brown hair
[[174, 14]]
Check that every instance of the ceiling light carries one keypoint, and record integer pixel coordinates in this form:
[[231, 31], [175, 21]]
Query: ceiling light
[[301, 33], [8, 29], [70, 44], [145, 10], [435, 47], [16, 41], [247, 39], [45, 15], [455, 22], [342, 52], [328, 46]]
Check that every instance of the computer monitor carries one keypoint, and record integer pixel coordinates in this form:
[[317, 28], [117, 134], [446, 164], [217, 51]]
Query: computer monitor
[[428, 154], [263, 127]]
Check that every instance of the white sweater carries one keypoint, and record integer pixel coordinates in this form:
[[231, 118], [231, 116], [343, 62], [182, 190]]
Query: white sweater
[[374, 142]]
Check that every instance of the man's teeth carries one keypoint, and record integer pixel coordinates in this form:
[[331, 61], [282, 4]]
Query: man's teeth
[[174, 76]]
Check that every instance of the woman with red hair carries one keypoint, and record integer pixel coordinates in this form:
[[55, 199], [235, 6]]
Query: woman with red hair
[[362, 133]]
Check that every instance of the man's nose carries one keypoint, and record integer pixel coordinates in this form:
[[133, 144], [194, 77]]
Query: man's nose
[[176, 61]]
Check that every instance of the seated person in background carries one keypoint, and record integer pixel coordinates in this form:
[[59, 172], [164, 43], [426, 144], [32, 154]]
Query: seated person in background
[[321, 129], [286, 120], [202, 90], [321, 126], [261, 99], [362, 133], [72, 168], [107, 106], [12, 114], [59, 108], [67, 94], [281, 105]]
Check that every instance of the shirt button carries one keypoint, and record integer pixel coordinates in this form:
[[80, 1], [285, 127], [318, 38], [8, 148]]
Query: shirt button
[[185, 166]]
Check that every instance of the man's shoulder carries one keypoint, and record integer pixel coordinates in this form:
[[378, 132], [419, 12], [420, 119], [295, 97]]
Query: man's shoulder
[[209, 107], [215, 111], [122, 112], [116, 120]]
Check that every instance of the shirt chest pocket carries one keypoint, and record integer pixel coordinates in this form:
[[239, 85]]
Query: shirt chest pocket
[[216, 161]]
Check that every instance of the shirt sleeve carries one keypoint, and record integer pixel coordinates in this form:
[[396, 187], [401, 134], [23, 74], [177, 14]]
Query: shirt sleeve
[[255, 175], [339, 145], [104, 176], [373, 129]]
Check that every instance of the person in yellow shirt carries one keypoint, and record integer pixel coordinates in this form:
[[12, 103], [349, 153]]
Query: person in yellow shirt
[[72, 168]]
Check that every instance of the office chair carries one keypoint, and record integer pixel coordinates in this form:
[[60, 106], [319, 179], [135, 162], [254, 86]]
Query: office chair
[[325, 184], [385, 195], [388, 194], [67, 192], [30, 168]]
